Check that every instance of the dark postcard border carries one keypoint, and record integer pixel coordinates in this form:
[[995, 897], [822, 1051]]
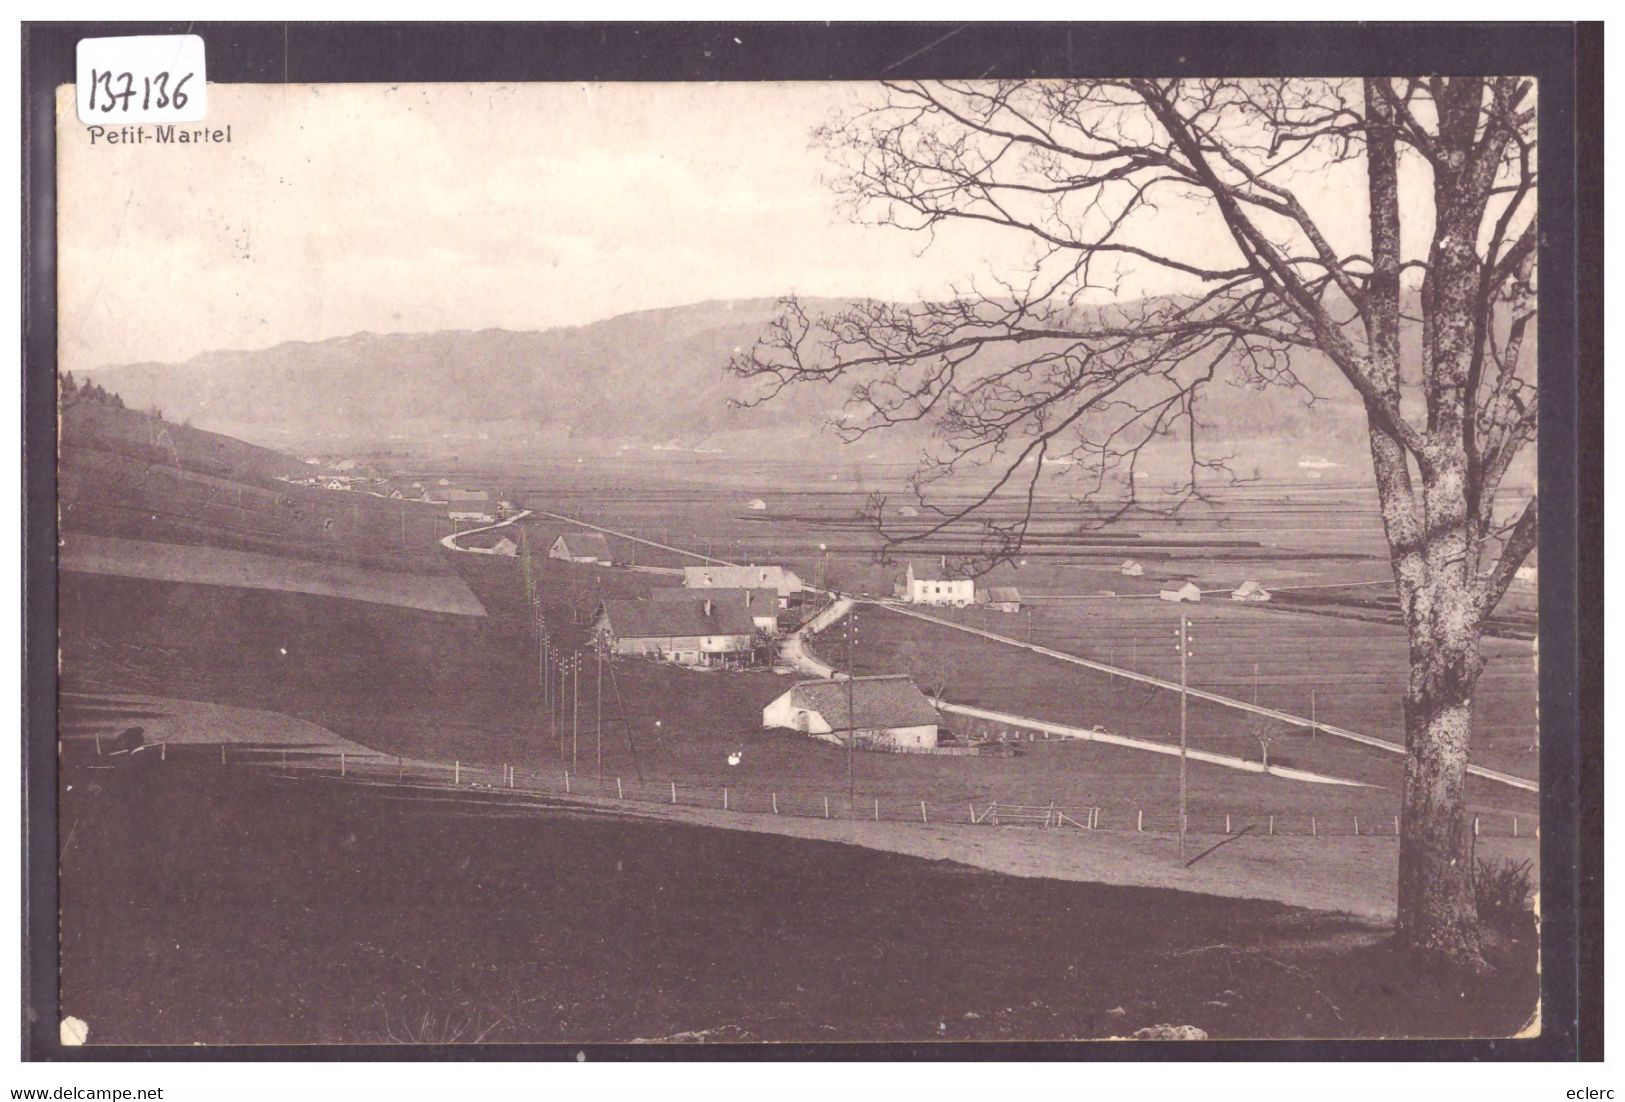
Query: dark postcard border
[[1566, 58]]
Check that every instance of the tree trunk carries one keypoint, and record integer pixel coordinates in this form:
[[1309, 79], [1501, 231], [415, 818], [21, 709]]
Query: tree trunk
[[1438, 917]]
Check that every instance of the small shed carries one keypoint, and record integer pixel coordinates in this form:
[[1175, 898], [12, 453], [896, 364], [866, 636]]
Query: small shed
[[1186, 592], [1249, 590], [757, 505], [1003, 598], [908, 511], [1131, 568]]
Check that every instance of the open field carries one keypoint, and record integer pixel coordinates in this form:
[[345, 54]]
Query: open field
[[209, 906], [1338, 643], [1346, 674]]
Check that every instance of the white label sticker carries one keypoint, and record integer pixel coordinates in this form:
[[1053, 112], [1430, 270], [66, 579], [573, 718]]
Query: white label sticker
[[145, 78]]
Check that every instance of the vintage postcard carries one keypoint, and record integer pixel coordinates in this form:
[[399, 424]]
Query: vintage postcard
[[885, 560]]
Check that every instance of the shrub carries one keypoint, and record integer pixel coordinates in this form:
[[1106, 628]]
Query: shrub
[[1503, 891]]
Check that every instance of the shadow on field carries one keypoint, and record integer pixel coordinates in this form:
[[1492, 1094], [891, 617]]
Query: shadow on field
[[221, 907]]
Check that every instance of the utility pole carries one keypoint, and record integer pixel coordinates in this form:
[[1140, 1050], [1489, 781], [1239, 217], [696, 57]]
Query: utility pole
[[1184, 654], [598, 722], [575, 706], [1255, 684], [851, 715]]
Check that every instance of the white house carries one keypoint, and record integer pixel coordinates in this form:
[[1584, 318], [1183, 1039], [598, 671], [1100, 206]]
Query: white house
[[757, 505], [1249, 591], [782, 581], [1186, 592], [1131, 568], [885, 712], [587, 547], [924, 586]]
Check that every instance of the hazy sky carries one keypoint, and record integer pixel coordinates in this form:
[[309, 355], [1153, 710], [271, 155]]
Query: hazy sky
[[340, 208]]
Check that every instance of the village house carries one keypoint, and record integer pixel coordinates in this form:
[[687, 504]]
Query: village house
[[1001, 598], [782, 581], [762, 604], [884, 712], [455, 496], [923, 585], [756, 505], [908, 511], [1249, 591], [702, 632], [584, 547], [1131, 568], [1185, 592]]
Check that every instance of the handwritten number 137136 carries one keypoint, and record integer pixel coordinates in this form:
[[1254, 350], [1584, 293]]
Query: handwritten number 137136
[[119, 89]]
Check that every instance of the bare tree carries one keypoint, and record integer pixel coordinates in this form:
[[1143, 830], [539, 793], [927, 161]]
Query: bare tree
[[1109, 182]]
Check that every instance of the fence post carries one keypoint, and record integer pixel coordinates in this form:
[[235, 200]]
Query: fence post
[[163, 752], [923, 818], [1475, 826], [344, 769], [1396, 826], [98, 746], [1227, 822], [1272, 826], [1314, 828], [972, 813], [725, 799], [620, 793], [222, 753], [456, 773], [775, 803], [1356, 826], [1139, 820], [400, 767], [1514, 826], [673, 791], [566, 782], [877, 809], [826, 807]]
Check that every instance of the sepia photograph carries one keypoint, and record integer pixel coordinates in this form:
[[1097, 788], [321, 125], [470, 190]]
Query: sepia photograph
[[956, 558]]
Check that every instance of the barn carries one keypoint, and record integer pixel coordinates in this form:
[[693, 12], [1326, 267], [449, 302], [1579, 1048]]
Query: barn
[[884, 712], [587, 547], [1250, 590], [762, 604], [1002, 598], [1186, 592], [701, 632], [784, 582]]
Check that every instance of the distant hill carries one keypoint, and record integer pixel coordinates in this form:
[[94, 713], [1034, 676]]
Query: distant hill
[[638, 381]]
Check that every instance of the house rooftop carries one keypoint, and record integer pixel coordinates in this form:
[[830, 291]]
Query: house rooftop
[[887, 700], [639, 619], [762, 600], [586, 543]]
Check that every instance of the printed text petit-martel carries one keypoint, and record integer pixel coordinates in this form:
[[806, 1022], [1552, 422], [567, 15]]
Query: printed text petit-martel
[[159, 135]]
